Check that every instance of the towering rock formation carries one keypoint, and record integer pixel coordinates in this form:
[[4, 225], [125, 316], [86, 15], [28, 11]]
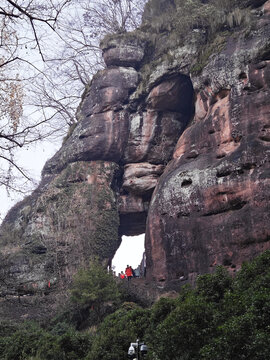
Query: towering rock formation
[[151, 122], [211, 205]]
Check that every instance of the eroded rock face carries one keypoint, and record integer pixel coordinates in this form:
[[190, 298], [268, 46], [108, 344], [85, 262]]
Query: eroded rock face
[[102, 131], [47, 237], [98, 186], [141, 178], [133, 213], [123, 51], [175, 95], [211, 205], [140, 158], [108, 90]]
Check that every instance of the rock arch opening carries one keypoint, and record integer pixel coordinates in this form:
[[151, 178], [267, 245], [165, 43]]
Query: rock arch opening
[[154, 131], [130, 252]]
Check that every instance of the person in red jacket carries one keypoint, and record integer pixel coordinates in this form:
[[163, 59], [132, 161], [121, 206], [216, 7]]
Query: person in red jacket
[[128, 272], [122, 275]]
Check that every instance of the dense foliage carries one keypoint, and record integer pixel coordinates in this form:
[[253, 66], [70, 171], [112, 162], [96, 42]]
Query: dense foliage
[[221, 319], [95, 288]]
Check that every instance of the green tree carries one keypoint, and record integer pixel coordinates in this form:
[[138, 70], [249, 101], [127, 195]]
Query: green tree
[[214, 286], [117, 331], [185, 330], [29, 341], [95, 288], [244, 331]]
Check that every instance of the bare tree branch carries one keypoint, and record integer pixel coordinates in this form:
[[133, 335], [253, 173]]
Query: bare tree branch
[[49, 52], [16, 166]]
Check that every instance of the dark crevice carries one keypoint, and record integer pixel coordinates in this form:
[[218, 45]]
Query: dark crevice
[[265, 138], [227, 171], [242, 76], [220, 156], [117, 180], [75, 181], [186, 182], [39, 250], [233, 206], [219, 96], [248, 166], [213, 100], [224, 172], [226, 262], [183, 214]]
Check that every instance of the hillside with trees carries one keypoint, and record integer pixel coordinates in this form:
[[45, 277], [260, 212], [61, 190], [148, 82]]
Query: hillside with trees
[[222, 318]]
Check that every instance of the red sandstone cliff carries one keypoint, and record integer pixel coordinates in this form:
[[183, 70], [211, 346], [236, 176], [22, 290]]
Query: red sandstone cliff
[[149, 122], [211, 205]]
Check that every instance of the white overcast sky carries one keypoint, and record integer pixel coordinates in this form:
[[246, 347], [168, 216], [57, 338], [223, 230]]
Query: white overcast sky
[[33, 159], [130, 253]]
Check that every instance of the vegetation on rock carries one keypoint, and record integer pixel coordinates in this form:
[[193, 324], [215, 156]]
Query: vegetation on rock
[[177, 26], [95, 288]]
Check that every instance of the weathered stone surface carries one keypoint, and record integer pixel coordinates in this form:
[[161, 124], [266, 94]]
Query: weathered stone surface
[[133, 212], [123, 56], [103, 130], [141, 178], [153, 136], [174, 94], [99, 136], [50, 235], [123, 50], [154, 131], [108, 90], [211, 205]]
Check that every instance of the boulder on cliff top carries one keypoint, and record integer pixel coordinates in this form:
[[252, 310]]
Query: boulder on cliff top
[[123, 50]]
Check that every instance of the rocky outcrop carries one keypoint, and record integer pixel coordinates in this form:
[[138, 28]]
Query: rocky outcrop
[[45, 238], [141, 178], [160, 147], [119, 51], [41, 241], [211, 205], [98, 186]]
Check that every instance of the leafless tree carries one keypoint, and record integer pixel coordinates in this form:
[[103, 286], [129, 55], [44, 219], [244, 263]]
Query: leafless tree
[[79, 57], [49, 51], [22, 25]]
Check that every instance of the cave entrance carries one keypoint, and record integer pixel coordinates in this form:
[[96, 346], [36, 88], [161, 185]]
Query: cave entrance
[[130, 252]]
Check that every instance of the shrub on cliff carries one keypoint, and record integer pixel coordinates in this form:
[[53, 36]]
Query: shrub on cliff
[[95, 288], [186, 15]]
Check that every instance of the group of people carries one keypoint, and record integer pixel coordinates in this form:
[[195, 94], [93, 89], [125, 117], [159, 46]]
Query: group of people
[[139, 272], [129, 273]]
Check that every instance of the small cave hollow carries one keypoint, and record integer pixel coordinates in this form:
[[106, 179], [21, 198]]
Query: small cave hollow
[[186, 182], [242, 76], [130, 252]]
